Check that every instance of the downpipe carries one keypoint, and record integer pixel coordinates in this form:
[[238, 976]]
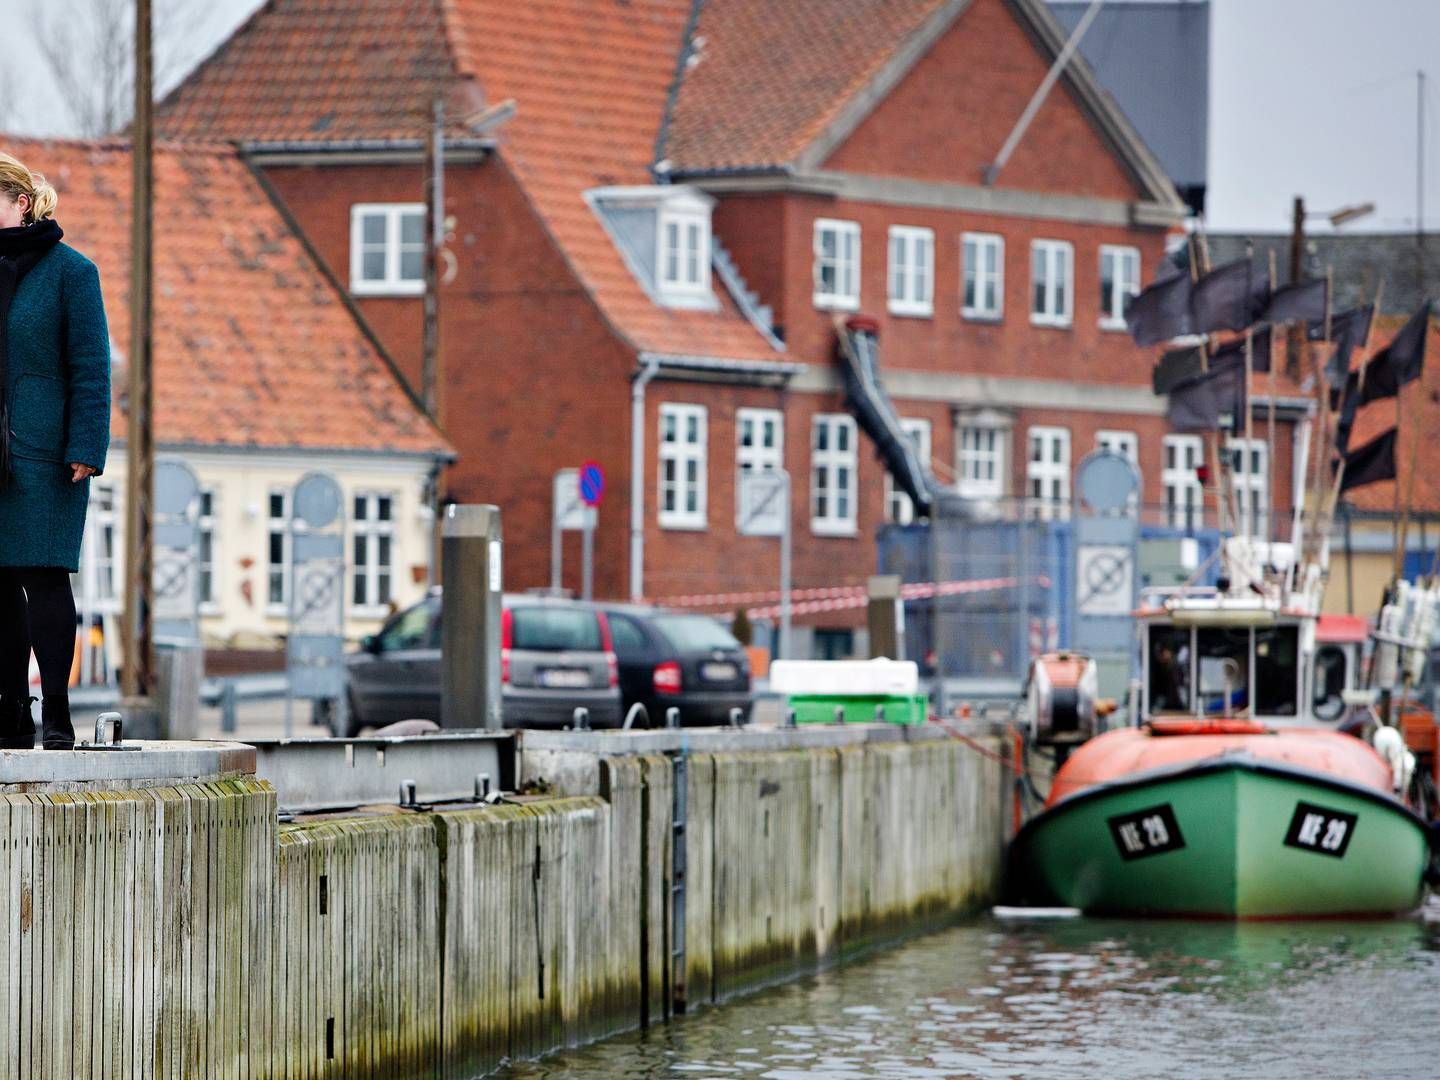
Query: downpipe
[[648, 370]]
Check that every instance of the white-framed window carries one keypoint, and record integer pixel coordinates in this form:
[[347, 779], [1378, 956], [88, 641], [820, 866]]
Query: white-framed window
[[899, 507], [277, 549], [1052, 280], [387, 249], [1047, 473], [980, 459], [1250, 475], [759, 440], [834, 457], [1119, 280], [683, 260], [682, 466], [206, 558], [912, 270], [1184, 495], [982, 269], [372, 548], [1127, 445], [837, 264]]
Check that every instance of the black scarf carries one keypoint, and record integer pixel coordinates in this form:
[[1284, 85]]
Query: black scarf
[[20, 250]]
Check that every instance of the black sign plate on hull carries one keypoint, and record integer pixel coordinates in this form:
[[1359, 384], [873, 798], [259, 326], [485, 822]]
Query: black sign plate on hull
[[1321, 830], [1141, 833]]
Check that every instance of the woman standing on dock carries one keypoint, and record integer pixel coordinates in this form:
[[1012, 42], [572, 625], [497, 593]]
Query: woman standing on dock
[[54, 433]]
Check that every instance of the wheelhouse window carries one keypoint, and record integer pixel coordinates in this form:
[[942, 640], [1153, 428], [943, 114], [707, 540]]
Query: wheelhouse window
[[833, 461], [912, 270], [1222, 671], [837, 264], [983, 273], [1052, 265], [387, 249], [1119, 281], [682, 466]]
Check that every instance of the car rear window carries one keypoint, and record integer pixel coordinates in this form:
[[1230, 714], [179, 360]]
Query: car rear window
[[554, 629], [688, 632]]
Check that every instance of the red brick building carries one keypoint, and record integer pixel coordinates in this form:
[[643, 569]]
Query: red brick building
[[681, 201]]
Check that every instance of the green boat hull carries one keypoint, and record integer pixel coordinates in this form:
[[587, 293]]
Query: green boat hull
[[1227, 839]]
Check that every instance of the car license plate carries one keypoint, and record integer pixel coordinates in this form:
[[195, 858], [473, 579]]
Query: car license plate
[[563, 678], [718, 672]]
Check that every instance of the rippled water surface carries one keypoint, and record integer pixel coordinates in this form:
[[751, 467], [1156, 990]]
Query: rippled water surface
[[1078, 998]]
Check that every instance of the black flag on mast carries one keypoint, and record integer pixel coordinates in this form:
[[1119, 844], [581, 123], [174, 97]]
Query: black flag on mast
[[1347, 330], [1180, 365], [1371, 463], [1230, 297], [1205, 402], [1304, 301], [1161, 312], [1400, 362]]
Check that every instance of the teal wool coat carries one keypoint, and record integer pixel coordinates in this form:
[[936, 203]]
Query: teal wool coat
[[58, 387]]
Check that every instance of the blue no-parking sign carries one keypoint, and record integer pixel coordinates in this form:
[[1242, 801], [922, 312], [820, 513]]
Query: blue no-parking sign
[[592, 483]]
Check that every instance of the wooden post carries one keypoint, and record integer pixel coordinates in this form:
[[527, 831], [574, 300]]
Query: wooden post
[[434, 239], [138, 624], [1297, 253]]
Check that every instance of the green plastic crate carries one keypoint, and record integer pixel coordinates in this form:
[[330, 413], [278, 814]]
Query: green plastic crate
[[820, 708]]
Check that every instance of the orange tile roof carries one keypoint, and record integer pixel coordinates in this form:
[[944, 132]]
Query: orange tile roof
[[766, 78], [253, 345], [324, 70], [591, 81]]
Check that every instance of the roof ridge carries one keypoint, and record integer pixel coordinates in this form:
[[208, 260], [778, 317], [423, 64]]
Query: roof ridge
[[682, 65], [214, 54], [456, 41]]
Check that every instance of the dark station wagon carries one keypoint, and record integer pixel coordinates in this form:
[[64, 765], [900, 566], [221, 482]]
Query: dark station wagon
[[555, 655], [680, 660]]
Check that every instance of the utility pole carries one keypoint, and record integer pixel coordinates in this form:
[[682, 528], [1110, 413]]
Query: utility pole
[[1296, 335], [1420, 178], [138, 624], [435, 239]]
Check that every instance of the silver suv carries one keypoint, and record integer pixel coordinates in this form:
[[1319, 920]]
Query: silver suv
[[555, 655]]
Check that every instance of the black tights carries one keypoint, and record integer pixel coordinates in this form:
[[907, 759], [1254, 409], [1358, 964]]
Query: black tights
[[37, 611]]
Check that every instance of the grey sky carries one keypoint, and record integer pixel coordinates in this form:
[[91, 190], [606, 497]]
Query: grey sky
[[1310, 97]]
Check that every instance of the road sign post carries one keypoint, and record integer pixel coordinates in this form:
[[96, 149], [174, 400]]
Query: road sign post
[[765, 511], [315, 646], [592, 491]]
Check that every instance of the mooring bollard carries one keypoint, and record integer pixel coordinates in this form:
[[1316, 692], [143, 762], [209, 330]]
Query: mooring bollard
[[791, 719], [672, 717], [580, 718], [482, 786], [839, 714], [107, 729], [879, 714], [637, 710], [407, 794], [736, 717]]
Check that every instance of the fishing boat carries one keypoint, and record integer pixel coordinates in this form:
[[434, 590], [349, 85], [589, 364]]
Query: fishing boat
[[1257, 778], [1212, 808]]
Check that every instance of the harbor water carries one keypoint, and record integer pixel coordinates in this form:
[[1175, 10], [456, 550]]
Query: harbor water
[[1073, 998]]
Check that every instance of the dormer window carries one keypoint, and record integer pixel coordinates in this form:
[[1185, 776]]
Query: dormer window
[[387, 249], [684, 251], [663, 233]]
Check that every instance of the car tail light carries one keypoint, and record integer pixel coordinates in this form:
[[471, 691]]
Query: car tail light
[[667, 678], [507, 632], [612, 662]]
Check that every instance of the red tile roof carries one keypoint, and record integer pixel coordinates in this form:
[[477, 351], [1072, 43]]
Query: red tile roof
[[765, 78], [253, 345], [591, 80]]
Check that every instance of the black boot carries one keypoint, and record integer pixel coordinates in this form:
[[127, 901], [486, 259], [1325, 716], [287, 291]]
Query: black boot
[[55, 729], [17, 725]]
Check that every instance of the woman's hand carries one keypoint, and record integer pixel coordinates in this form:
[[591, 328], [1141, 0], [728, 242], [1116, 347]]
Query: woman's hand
[[80, 472]]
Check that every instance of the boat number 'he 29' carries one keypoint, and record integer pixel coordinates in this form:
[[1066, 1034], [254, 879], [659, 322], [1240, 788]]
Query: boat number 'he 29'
[[1326, 832], [1146, 832]]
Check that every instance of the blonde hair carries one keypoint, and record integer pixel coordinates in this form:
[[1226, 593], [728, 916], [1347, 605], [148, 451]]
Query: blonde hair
[[17, 180]]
